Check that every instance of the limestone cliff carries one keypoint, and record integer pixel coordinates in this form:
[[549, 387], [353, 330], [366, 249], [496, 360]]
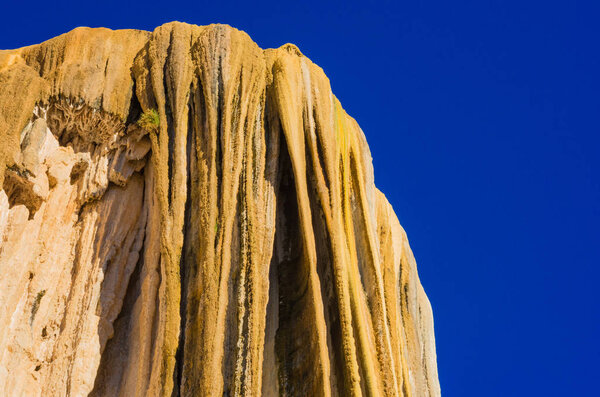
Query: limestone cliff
[[184, 213]]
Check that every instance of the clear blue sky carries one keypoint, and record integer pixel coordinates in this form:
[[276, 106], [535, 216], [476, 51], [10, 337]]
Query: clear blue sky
[[483, 121]]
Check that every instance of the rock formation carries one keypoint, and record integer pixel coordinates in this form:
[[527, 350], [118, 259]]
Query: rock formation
[[184, 213]]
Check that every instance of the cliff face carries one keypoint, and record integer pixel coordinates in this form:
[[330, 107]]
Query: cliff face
[[232, 242]]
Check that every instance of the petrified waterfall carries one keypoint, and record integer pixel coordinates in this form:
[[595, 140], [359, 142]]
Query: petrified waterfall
[[184, 213]]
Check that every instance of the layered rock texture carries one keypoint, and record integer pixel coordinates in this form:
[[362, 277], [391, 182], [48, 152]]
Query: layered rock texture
[[184, 213]]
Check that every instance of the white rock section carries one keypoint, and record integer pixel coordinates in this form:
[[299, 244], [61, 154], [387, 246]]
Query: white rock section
[[69, 243]]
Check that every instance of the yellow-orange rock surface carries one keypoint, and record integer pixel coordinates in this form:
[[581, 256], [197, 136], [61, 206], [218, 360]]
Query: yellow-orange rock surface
[[237, 246]]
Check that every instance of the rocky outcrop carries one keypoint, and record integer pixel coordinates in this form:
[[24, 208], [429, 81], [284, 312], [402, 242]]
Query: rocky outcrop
[[184, 213]]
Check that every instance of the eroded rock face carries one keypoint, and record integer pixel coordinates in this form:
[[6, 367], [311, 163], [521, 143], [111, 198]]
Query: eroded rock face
[[237, 247]]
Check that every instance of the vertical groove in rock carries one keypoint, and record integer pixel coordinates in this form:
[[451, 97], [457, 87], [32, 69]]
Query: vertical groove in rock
[[236, 245]]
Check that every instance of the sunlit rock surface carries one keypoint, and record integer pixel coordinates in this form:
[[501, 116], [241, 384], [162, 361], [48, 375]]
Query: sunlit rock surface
[[238, 246]]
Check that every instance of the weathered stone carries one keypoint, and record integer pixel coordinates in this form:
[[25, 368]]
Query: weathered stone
[[233, 243]]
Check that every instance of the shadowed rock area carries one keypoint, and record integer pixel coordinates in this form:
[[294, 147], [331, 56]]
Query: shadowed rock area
[[186, 214]]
